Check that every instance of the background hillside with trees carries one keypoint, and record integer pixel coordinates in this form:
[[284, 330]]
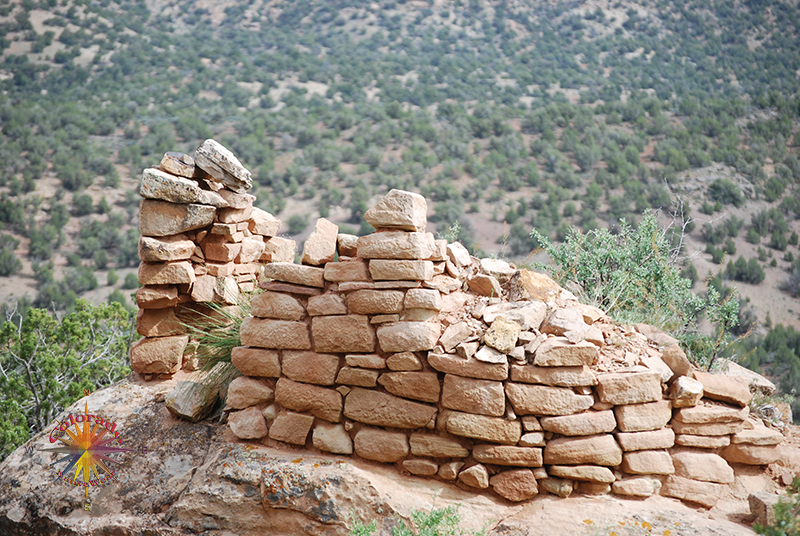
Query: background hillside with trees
[[508, 115]]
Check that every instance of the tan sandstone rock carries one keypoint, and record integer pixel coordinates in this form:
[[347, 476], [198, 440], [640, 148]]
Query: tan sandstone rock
[[629, 387], [381, 409], [731, 389], [408, 336], [648, 462], [482, 397], [343, 334], [508, 455], [265, 224], [642, 417], [372, 302], [685, 392], [319, 401], [288, 272], [422, 386], [492, 429], [470, 368], [158, 323], [704, 493], [637, 487], [599, 450], [559, 352], [277, 305], [332, 438], [326, 305], [165, 249], [400, 270], [160, 218], [357, 377], [248, 423], [420, 467], [556, 376], [580, 424], [161, 355], [434, 446], [244, 392], [320, 246], [649, 440], [277, 334], [339, 272], [291, 428], [256, 361], [588, 473], [705, 466], [310, 367], [751, 454], [381, 445], [157, 297], [396, 245], [399, 209], [476, 477], [515, 485], [169, 273], [545, 400], [223, 166]]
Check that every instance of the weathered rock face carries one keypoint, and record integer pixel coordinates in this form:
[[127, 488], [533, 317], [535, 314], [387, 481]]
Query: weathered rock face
[[157, 184], [399, 210], [223, 166], [161, 218]]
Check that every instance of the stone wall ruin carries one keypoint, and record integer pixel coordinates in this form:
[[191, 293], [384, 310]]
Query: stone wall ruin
[[403, 349]]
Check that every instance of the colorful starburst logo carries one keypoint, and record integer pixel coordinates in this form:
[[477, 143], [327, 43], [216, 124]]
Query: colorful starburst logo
[[87, 450]]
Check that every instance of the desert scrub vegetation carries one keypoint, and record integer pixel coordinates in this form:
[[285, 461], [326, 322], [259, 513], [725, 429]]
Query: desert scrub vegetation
[[634, 276], [438, 522], [47, 362]]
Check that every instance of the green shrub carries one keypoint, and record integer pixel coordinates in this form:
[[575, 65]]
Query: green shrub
[[438, 522], [297, 223], [726, 192], [131, 282], [752, 236], [49, 362], [634, 277], [746, 271], [112, 278], [9, 263]]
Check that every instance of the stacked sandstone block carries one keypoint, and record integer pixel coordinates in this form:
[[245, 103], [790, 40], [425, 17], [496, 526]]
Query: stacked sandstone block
[[202, 241], [514, 387]]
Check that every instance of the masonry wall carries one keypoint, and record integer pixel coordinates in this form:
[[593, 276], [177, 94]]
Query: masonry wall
[[202, 241], [399, 348]]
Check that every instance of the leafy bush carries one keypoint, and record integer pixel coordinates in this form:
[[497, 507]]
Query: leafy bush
[[746, 271], [47, 363], [634, 277], [131, 282], [297, 223], [437, 522], [9, 263], [726, 192]]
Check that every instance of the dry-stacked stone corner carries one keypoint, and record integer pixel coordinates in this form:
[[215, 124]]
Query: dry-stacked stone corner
[[202, 241]]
